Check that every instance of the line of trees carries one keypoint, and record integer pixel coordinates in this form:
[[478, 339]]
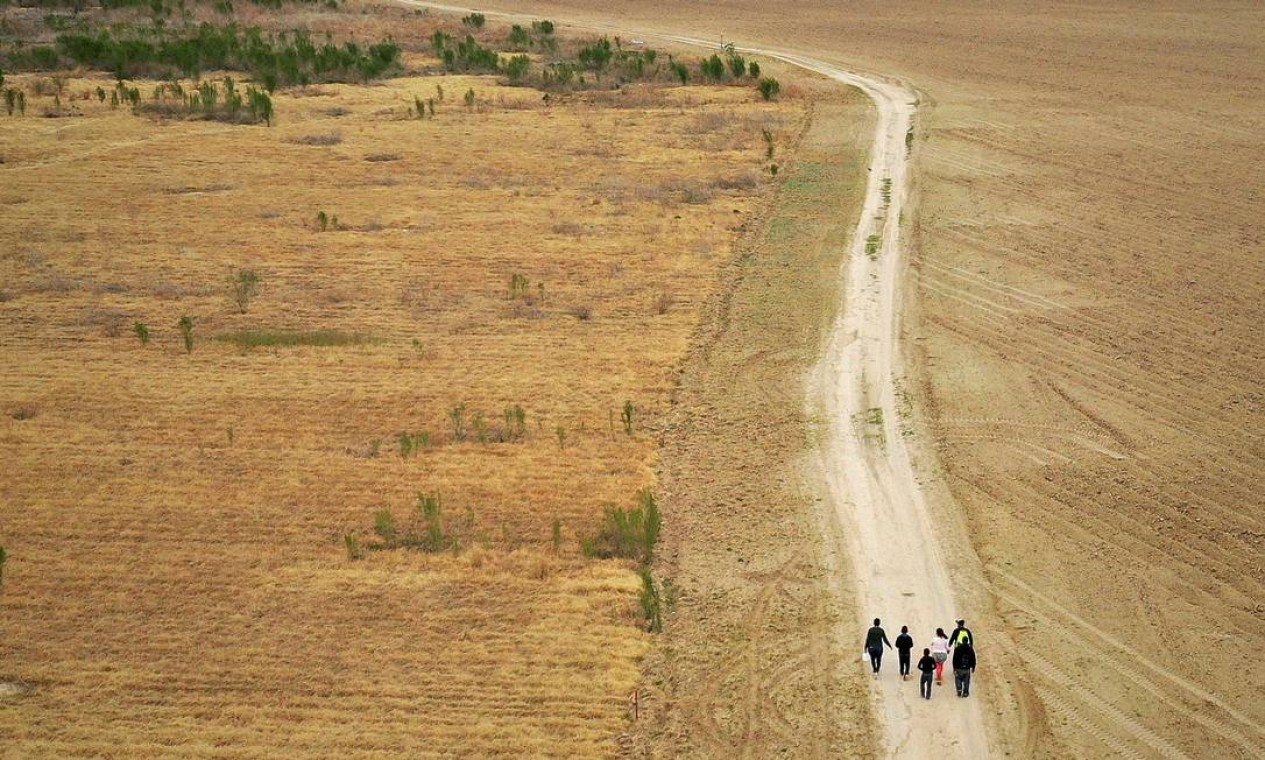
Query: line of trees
[[273, 59]]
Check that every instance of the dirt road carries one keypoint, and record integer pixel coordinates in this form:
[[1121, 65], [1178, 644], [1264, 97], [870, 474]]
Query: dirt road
[[896, 556], [899, 572], [892, 543]]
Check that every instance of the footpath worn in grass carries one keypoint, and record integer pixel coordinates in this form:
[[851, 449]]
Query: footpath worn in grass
[[176, 512]]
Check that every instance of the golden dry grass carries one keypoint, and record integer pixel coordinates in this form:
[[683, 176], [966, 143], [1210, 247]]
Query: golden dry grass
[[177, 581]]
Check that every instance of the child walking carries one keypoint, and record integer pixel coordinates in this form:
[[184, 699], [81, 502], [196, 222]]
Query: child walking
[[926, 666], [904, 646]]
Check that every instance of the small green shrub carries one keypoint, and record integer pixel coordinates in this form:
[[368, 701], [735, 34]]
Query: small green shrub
[[542, 27], [768, 144], [354, 550], [516, 68], [649, 601], [244, 285], [769, 88], [475, 20], [597, 55], [682, 71], [515, 422], [469, 98], [627, 417], [142, 332], [737, 65], [186, 331], [432, 537], [518, 286], [457, 415], [871, 246], [384, 526], [519, 37], [712, 68], [753, 70], [629, 534]]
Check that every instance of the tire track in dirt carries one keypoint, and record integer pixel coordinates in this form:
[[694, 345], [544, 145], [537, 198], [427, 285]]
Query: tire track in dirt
[[1066, 620]]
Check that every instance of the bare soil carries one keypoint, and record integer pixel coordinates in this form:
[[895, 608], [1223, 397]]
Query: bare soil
[[1084, 313]]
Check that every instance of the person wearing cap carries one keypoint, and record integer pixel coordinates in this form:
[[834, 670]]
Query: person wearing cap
[[961, 635]]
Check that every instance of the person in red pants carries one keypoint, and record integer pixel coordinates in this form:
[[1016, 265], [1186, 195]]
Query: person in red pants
[[940, 653]]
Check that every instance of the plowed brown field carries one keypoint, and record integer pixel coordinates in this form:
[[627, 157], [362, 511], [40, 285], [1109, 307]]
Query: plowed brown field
[[1087, 313]]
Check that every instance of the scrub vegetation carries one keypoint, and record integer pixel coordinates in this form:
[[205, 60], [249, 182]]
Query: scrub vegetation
[[357, 412]]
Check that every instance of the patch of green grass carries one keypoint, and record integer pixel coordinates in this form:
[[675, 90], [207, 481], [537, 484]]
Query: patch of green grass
[[871, 246], [287, 338]]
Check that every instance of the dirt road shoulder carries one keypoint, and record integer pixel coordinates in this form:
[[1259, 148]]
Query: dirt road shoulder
[[750, 664]]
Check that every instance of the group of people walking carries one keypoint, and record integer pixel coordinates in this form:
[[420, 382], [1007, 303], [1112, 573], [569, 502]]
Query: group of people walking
[[958, 647]]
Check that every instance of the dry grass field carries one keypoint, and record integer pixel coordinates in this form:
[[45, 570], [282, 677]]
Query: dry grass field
[[1087, 341], [177, 580]]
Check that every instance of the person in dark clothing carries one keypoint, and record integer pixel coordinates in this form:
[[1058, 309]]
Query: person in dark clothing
[[904, 643], [875, 638], [961, 635], [963, 667], [927, 667]]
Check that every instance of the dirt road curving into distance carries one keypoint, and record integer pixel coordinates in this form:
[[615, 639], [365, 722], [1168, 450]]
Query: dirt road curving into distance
[[896, 557], [897, 563], [892, 544]]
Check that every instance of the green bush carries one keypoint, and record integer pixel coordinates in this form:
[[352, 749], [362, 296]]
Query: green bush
[[712, 68], [596, 56], [682, 72], [467, 55], [649, 602], [627, 417], [519, 37], [629, 534], [186, 331], [142, 332], [516, 68], [432, 537], [476, 20], [457, 415], [769, 88], [244, 285], [384, 526]]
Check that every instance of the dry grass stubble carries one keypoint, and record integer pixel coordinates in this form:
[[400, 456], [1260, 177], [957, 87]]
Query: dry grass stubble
[[177, 581]]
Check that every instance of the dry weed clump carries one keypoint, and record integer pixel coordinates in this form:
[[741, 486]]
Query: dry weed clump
[[201, 500]]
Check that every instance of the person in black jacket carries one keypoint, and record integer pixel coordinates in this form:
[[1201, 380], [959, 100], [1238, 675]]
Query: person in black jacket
[[904, 644], [961, 635], [963, 667], [875, 638], [926, 666]]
